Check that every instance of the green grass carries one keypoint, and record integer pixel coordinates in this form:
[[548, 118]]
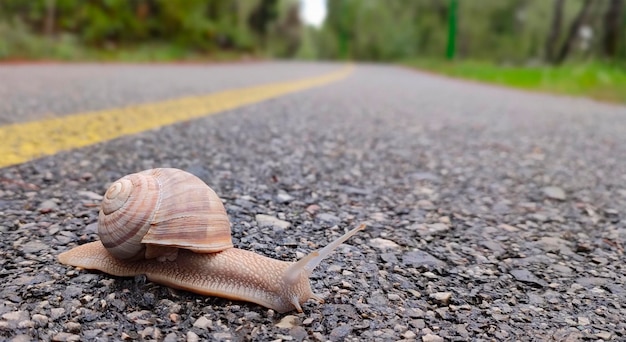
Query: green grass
[[18, 44], [596, 80]]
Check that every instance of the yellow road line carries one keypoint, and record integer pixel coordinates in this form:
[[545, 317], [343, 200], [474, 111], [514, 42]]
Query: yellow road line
[[26, 141]]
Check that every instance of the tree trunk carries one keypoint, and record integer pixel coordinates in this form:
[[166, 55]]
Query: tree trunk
[[578, 22], [49, 23], [612, 22], [555, 31]]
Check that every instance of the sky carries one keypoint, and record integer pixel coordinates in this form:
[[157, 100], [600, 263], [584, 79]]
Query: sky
[[313, 12]]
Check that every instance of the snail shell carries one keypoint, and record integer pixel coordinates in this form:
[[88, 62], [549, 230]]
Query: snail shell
[[151, 214]]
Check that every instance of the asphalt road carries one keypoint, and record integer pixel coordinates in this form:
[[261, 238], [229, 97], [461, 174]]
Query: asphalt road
[[493, 214]]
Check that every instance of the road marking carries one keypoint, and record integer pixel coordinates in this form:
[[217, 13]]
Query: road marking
[[22, 142]]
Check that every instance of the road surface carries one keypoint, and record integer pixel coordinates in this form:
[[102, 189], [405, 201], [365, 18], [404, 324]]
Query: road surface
[[492, 214]]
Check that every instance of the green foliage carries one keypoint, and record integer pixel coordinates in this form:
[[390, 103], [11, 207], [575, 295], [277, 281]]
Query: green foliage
[[596, 80], [511, 31], [169, 28]]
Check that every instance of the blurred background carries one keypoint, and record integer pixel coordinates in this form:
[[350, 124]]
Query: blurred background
[[566, 46]]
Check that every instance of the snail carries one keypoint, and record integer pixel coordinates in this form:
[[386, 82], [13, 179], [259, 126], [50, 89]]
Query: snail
[[169, 225]]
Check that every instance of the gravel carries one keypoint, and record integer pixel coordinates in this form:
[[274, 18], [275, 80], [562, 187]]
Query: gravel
[[492, 214]]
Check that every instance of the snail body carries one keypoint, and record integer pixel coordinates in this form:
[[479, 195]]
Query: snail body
[[177, 251]]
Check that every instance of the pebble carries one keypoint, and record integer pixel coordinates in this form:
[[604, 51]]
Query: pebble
[[420, 258], [436, 228], [340, 332], [313, 209], [283, 197], [34, 247], [21, 338], [441, 297], [40, 320], [432, 338], [389, 258], [16, 316], [90, 195], [191, 337], [298, 333], [393, 296], [554, 192], [554, 244], [56, 313], [203, 323], [47, 206], [287, 322], [383, 244], [271, 221], [65, 337], [72, 327], [329, 218], [528, 277]]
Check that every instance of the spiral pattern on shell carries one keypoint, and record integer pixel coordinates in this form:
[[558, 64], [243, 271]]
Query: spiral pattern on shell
[[162, 208]]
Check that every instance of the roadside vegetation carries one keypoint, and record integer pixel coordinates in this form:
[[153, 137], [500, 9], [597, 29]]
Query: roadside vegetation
[[575, 47], [600, 81]]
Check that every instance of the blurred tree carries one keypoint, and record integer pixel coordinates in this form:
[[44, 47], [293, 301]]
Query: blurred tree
[[555, 31], [613, 24], [265, 12], [574, 30]]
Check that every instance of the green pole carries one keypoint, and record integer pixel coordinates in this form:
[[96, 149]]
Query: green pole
[[451, 29]]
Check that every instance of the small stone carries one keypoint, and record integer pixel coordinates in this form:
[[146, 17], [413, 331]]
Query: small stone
[[553, 244], [409, 335], [526, 276], [55, 313], [171, 337], [271, 221], [415, 313], [389, 258], [90, 195], [432, 338], [383, 244], [192, 337], [429, 275], [283, 197], [26, 324], [135, 315], [298, 333], [287, 322], [508, 228], [437, 228], [21, 338], [554, 192], [313, 209], [16, 316], [583, 321], [222, 336], [340, 332], [202, 323], [377, 300], [72, 327], [393, 296], [605, 335], [426, 205], [65, 337], [420, 258], [441, 297], [333, 268], [378, 217], [40, 320], [47, 206], [329, 218], [33, 247]]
